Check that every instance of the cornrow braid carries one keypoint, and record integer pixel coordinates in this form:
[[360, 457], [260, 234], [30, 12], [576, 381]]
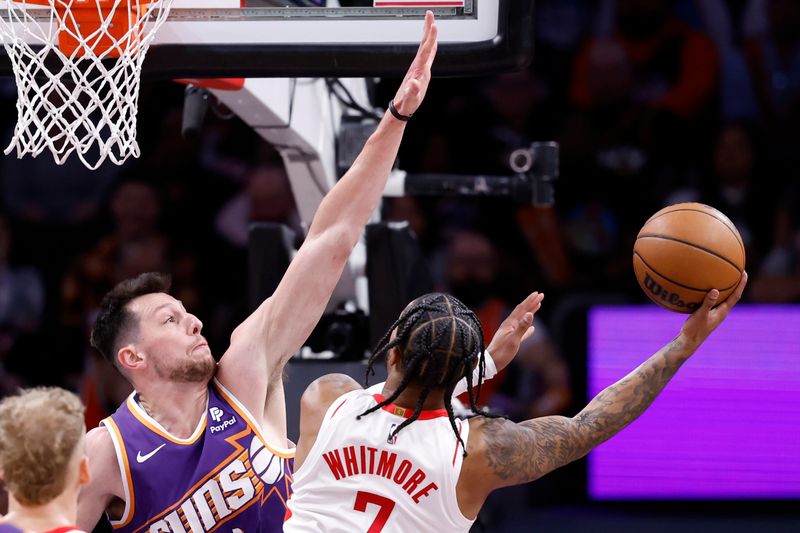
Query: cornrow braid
[[439, 340]]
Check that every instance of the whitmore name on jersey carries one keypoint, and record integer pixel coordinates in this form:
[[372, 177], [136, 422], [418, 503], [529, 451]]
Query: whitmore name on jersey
[[354, 460]]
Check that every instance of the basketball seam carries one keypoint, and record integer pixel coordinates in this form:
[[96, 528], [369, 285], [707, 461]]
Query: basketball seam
[[693, 245], [648, 265], [724, 223]]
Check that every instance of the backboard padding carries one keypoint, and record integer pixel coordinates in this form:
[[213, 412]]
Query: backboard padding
[[217, 41]]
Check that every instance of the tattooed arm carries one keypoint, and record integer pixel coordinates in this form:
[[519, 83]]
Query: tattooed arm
[[504, 453], [517, 453]]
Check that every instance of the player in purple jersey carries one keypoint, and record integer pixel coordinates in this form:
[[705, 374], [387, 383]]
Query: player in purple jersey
[[202, 445]]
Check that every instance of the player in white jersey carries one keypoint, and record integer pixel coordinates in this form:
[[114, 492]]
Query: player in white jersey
[[370, 460], [410, 477]]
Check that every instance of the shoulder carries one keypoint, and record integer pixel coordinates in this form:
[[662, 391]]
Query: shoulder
[[315, 402], [320, 395], [103, 461], [99, 444], [488, 444], [325, 389], [493, 438]]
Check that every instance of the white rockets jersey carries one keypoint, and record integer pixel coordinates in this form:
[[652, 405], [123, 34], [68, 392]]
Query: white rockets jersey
[[356, 479]]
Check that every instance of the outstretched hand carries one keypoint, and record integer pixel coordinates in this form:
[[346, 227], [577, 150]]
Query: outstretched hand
[[699, 326], [412, 91], [514, 329]]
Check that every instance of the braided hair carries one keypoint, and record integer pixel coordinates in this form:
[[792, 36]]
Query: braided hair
[[439, 340]]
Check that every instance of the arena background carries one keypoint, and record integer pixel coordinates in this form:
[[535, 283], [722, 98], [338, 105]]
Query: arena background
[[652, 103]]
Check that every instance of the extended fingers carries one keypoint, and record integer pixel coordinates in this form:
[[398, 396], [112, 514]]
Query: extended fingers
[[523, 326], [430, 53], [522, 315], [710, 299], [530, 304], [429, 31], [427, 47], [737, 293], [528, 333], [428, 22], [533, 302]]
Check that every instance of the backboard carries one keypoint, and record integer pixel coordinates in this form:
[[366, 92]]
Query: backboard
[[297, 38]]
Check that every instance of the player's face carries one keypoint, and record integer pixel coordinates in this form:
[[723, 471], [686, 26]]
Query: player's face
[[170, 338]]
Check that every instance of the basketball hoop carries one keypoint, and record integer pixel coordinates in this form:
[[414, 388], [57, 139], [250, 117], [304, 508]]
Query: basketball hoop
[[77, 64]]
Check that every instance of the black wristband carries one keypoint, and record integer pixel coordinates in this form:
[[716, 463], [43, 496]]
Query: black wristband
[[396, 113]]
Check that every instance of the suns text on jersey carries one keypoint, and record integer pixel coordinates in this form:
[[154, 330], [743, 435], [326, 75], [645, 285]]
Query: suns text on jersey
[[215, 501], [355, 460]]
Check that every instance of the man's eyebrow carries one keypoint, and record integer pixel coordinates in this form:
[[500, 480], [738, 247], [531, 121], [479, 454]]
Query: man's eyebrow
[[168, 304]]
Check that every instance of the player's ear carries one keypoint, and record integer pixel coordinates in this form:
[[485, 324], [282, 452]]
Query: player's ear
[[393, 358], [84, 474], [129, 358]]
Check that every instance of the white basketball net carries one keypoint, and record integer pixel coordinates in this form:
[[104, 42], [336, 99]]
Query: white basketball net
[[82, 100]]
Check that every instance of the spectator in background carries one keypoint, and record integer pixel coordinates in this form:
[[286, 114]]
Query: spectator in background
[[778, 280], [673, 68], [22, 303], [537, 381], [542, 231], [641, 118], [642, 93], [724, 22], [560, 30], [774, 61], [52, 206], [21, 293], [134, 244], [266, 197], [738, 184]]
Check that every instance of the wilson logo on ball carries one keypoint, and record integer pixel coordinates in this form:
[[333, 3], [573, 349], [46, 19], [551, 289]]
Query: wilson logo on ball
[[667, 297], [685, 250]]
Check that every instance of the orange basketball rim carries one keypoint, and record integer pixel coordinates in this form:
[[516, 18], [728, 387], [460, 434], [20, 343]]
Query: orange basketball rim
[[100, 26]]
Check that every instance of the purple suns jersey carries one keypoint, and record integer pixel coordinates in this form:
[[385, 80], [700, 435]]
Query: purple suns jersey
[[225, 477]]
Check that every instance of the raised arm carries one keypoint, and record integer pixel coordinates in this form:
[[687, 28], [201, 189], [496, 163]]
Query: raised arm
[[517, 327], [510, 454], [263, 343]]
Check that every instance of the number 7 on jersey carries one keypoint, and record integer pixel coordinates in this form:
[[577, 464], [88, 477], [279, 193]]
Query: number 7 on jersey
[[385, 508]]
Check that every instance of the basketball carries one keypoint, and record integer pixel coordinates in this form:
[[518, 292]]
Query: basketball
[[684, 251]]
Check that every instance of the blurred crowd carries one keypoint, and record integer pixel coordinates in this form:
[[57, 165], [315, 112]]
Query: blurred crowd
[[653, 102]]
